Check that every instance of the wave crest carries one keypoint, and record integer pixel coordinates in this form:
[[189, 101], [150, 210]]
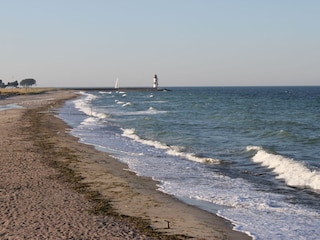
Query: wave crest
[[292, 172], [177, 151]]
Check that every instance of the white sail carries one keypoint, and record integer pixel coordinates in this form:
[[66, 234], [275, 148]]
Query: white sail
[[116, 85]]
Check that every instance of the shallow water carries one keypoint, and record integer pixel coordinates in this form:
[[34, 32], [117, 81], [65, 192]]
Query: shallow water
[[9, 106]]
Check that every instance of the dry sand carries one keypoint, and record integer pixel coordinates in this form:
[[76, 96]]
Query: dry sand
[[36, 202]]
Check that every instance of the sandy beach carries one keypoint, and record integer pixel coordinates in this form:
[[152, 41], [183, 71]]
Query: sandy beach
[[53, 187]]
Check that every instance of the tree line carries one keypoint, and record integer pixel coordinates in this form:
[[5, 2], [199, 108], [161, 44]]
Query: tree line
[[28, 82]]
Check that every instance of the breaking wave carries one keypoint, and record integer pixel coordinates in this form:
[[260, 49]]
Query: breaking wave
[[170, 150], [294, 173]]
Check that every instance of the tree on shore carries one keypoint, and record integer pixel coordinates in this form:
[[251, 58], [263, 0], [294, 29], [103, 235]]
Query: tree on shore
[[13, 84], [28, 82], [2, 85]]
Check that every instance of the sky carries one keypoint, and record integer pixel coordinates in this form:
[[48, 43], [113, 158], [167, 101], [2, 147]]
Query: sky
[[91, 43]]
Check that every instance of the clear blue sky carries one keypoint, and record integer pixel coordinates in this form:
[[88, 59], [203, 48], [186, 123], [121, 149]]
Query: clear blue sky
[[69, 43]]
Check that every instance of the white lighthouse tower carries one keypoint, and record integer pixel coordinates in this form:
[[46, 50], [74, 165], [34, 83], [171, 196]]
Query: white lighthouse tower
[[155, 81]]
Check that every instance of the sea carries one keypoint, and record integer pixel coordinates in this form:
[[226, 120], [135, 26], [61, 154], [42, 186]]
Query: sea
[[248, 154]]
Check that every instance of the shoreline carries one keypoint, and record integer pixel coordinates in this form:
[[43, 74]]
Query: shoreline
[[128, 194]]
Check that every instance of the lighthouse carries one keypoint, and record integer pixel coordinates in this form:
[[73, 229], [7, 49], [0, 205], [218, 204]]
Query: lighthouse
[[155, 81]]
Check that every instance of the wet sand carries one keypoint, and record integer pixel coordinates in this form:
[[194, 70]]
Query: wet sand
[[38, 200]]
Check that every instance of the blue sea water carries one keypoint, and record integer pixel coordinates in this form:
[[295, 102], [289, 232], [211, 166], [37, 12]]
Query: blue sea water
[[248, 154]]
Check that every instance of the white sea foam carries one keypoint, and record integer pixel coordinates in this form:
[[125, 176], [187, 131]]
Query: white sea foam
[[9, 106], [104, 92], [130, 133], [119, 102], [170, 150], [149, 111], [83, 104], [123, 104], [120, 92], [126, 104], [158, 101], [191, 156], [294, 173], [250, 211]]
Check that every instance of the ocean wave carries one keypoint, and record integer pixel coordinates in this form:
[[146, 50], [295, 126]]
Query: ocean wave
[[149, 111], [170, 150], [121, 92], [118, 102], [294, 173], [130, 133], [83, 104], [192, 157], [104, 92], [126, 104]]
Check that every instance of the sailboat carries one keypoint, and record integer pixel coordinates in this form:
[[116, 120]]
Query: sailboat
[[116, 85]]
